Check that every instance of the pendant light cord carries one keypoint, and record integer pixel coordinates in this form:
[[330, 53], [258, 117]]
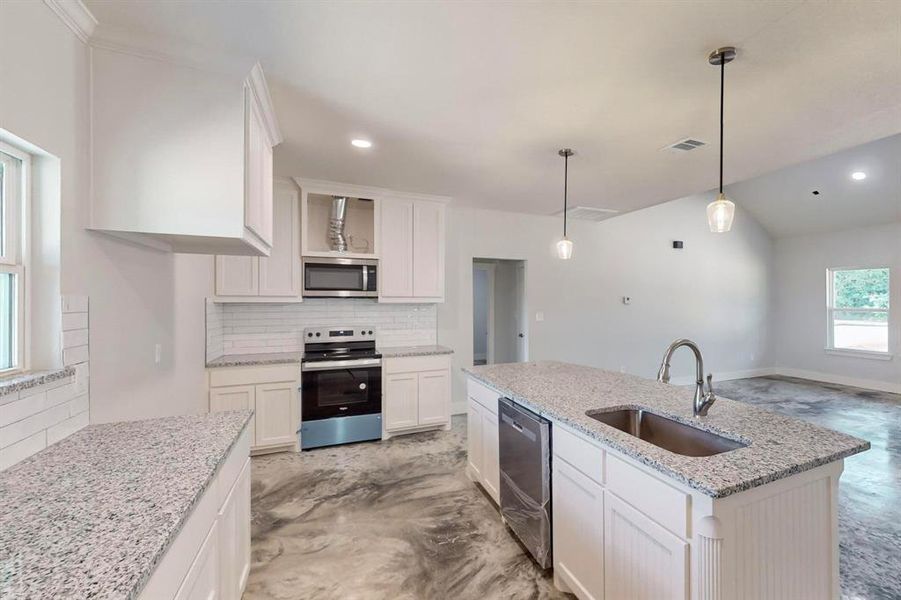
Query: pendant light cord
[[565, 190], [722, 96]]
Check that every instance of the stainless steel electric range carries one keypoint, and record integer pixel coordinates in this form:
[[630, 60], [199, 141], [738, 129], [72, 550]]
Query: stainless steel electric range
[[341, 387]]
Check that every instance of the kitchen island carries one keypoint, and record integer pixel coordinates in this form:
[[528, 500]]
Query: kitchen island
[[633, 520], [145, 509]]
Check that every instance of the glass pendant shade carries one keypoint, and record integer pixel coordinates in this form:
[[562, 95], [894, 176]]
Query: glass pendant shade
[[564, 249], [720, 213]]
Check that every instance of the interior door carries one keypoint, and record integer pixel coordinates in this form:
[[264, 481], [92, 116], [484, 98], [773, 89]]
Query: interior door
[[519, 310]]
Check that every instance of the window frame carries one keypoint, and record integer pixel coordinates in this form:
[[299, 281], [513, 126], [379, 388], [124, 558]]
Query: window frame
[[831, 309], [16, 251]]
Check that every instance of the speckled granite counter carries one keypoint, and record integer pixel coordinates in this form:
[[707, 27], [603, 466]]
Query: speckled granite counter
[[91, 516], [404, 351], [18, 383], [245, 360], [778, 446]]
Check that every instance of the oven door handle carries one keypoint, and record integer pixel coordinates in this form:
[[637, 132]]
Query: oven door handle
[[337, 365]]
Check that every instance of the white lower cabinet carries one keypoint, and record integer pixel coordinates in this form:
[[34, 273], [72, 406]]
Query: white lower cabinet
[[209, 558], [271, 392], [483, 460], [234, 524], [578, 509], [642, 561], [416, 393]]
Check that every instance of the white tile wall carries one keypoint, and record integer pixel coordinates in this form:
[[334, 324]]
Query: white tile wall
[[259, 328], [32, 419], [214, 329]]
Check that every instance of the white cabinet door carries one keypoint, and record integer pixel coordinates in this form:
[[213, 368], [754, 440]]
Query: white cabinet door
[[474, 439], [237, 276], [234, 531], [202, 580], [401, 401], [578, 506], [235, 397], [258, 174], [280, 271], [491, 470], [428, 250], [434, 398], [396, 261], [642, 561], [275, 414]]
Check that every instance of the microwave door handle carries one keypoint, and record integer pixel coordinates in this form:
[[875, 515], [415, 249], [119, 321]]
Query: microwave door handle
[[365, 278]]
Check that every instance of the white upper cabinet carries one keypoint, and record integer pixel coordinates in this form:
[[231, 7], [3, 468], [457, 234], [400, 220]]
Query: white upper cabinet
[[412, 258], [275, 277], [396, 266], [181, 159]]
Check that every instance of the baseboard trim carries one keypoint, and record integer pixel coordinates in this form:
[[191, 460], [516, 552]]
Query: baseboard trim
[[867, 384], [727, 376]]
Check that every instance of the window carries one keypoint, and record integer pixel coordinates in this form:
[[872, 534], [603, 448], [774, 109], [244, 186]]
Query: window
[[858, 310], [13, 188]]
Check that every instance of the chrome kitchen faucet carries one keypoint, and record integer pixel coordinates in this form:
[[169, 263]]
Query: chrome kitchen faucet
[[703, 399]]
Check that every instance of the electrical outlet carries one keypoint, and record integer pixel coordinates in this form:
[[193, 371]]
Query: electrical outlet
[[158, 353], [539, 316]]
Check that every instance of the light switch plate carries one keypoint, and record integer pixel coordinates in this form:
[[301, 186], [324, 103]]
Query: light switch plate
[[539, 316]]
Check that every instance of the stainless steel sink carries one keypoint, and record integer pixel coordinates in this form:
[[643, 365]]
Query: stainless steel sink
[[665, 433]]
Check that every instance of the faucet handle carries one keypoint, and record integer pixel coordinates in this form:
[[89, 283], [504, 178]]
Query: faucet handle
[[710, 386]]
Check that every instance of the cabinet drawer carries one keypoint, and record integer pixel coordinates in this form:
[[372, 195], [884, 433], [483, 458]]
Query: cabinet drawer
[[664, 504], [581, 454], [417, 364], [483, 394], [252, 375]]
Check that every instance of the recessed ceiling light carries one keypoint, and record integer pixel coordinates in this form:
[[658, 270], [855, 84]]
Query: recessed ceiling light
[[361, 143], [858, 175]]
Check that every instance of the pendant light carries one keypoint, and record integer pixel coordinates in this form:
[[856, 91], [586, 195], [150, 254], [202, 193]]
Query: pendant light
[[565, 246], [721, 211]]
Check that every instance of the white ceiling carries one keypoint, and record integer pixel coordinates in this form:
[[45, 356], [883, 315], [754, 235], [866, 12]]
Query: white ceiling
[[473, 100], [784, 203]]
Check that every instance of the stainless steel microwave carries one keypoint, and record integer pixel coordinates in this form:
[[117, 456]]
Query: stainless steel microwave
[[340, 278]]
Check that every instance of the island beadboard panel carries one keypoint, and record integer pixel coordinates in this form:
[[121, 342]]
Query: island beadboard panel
[[40, 409]]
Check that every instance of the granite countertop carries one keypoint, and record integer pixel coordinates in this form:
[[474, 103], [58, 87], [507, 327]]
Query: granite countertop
[[244, 360], [280, 358], [778, 446], [25, 381], [92, 515], [404, 351]]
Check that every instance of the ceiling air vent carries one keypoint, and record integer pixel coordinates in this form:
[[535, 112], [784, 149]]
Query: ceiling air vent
[[588, 213], [685, 145]]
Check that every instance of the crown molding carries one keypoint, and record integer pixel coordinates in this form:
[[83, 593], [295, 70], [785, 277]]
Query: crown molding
[[256, 81], [76, 16], [322, 186]]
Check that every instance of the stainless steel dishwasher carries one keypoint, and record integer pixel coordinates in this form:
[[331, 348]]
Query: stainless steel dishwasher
[[525, 465]]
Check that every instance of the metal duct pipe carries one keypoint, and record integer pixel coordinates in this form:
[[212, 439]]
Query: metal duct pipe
[[336, 238]]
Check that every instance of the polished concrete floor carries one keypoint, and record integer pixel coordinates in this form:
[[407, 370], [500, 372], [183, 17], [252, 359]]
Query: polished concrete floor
[[400, 520]]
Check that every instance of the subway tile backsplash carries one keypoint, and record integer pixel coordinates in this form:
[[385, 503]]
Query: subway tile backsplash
[[260, 328]]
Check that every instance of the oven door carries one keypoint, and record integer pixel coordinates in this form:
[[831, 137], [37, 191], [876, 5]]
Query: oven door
[[341, 278], [340, 389]]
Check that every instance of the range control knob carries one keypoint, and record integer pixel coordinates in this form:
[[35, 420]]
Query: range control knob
[[318, 334], [370, 332], [310, 334]]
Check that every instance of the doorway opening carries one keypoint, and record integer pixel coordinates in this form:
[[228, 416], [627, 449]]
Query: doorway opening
[[499, 323]]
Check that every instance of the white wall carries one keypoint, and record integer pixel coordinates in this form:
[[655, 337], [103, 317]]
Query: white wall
[[800, 304], [138, 297], [715, 291]]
